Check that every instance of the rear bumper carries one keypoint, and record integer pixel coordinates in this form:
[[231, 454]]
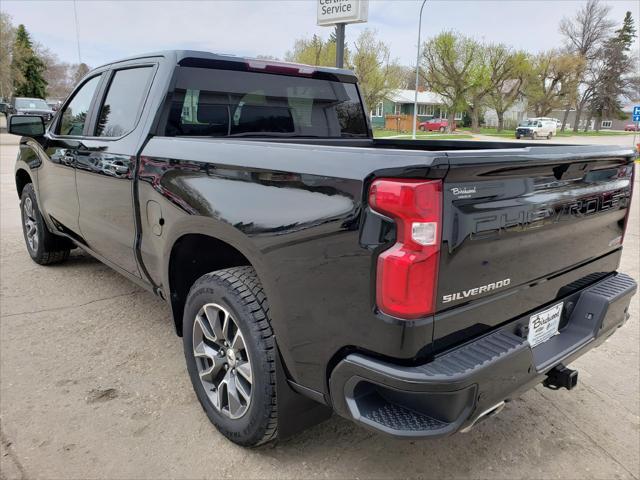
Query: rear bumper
[[457, 388]]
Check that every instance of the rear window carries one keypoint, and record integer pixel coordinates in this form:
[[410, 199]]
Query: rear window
[[222, 103]]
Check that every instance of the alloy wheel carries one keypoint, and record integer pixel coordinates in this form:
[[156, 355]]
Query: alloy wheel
[[30, 225], [222, 359]]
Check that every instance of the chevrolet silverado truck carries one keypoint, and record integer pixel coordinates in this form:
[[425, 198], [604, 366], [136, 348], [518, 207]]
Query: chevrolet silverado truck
[[413, 287]]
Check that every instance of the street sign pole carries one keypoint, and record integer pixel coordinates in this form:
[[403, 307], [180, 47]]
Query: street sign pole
[[636, 120], [338, 14], [415, 98], [340, 45]]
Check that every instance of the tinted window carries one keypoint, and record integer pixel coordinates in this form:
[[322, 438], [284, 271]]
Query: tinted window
[[124, 100], [74, 116], [217, 103]]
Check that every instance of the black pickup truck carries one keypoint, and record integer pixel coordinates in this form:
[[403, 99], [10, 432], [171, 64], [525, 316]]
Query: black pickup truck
[[413, 287]]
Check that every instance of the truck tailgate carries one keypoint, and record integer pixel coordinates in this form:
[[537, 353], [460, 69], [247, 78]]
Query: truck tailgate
[[520, 228]]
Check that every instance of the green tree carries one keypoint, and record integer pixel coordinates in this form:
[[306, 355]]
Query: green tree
[[314, 51], [378, 74], [28, 69], [449, 68], [509, 73]]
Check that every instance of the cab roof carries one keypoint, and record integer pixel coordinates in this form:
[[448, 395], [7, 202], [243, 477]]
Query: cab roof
[[227, 61]]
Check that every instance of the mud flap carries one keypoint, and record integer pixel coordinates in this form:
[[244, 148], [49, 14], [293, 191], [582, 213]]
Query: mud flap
[[295, 412]]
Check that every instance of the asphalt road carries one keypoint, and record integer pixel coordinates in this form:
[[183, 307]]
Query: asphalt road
[[93, 385]]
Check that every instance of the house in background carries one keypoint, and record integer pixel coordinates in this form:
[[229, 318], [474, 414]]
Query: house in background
[[512, 117], [607, 123], [400, 103]]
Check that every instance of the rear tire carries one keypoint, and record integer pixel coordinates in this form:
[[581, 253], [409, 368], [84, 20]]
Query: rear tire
[[549, 136], [518, 137], [232, 368], [44, 247]]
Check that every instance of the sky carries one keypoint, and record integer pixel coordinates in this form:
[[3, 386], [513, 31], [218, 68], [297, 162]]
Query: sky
[[109, 30]]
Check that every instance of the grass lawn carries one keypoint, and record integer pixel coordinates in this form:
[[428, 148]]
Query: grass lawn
[[421, 135], [512, 133]]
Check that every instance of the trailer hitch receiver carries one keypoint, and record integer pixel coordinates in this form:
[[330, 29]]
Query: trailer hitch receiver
[[561, 376]]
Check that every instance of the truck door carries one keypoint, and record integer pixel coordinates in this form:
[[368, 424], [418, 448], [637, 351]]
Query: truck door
[[56, 174], [105, 167]]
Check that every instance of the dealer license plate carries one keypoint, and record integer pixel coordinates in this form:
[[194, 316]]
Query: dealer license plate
[[544, 325]]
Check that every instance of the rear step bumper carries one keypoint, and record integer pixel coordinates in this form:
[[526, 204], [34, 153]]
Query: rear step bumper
[[471, 382]]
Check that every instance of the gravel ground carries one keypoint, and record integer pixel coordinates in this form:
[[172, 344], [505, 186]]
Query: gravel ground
[[93, 385]]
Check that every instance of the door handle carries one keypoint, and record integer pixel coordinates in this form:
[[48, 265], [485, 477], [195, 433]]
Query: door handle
[[120, 169]]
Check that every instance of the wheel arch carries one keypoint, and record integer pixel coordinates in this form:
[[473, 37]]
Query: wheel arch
[[196, 253], [22, 179]]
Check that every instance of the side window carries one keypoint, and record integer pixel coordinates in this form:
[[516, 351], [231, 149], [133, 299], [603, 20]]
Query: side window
[[74, 115], [126, 94]]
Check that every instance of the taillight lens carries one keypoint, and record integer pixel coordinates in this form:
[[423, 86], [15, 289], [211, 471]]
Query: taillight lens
[[407, 273]]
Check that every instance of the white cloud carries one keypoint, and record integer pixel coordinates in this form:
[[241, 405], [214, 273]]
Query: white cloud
[[114, 29]]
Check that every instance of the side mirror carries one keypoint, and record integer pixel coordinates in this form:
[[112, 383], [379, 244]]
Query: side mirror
[[26, 125]]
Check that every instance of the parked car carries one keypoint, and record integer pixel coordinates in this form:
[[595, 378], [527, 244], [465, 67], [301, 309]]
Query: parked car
[[537, 128], [632, 127], [413, 287], [435, 125], [54, 104], [31, 106], [5, 107]]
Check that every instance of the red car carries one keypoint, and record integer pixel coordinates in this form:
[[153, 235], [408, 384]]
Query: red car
[[631, 127], [435, 125]]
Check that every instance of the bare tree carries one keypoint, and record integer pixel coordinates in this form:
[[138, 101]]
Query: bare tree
[[56, 73], [7, 33], [585, 35], [551, 74], [586, 32], [616, 80]]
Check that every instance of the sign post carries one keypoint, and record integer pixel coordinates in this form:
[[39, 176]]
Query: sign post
[[636, 120], [339, 13]]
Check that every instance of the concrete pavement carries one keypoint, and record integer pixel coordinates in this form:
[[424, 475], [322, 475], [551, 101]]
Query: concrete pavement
[[93, 385]]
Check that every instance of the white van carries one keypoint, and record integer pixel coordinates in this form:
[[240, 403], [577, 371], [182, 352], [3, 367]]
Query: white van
[[537, 128]]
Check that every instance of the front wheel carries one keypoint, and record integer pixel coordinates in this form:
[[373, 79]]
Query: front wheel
[[231, 356], [443, 129], [422, 127], [534, 136], [549, 136], [518, 137], [44, 247]]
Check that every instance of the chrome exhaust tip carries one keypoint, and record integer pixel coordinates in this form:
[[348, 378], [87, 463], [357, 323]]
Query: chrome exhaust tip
[[490, 412]]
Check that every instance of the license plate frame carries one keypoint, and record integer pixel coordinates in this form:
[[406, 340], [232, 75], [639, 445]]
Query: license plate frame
[[544, 325]]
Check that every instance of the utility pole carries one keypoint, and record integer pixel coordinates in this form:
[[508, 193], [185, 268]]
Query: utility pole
[[75, 16], [415, 100]]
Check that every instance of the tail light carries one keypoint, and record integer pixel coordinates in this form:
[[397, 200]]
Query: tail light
[[628, 171], [407, 273]]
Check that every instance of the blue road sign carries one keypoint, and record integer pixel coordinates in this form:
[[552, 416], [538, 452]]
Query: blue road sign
[[636, 111], [636, 118]]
